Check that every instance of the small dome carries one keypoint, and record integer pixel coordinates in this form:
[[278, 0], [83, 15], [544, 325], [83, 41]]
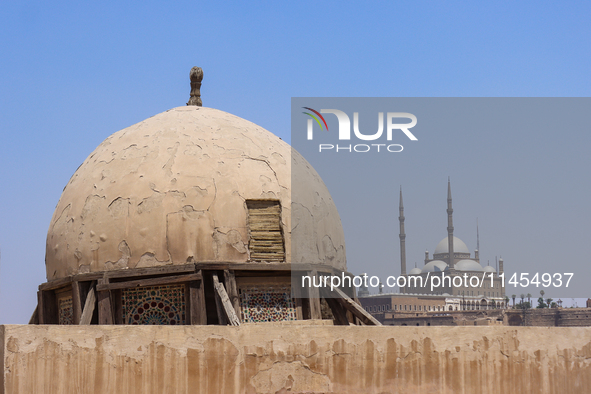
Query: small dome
[[459, 246], [488, 268], [468, 265], [415, 271], [435, 266]]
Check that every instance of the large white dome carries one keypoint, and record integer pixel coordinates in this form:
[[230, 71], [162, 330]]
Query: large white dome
[[174, 189], [459, 246], [468, 265]]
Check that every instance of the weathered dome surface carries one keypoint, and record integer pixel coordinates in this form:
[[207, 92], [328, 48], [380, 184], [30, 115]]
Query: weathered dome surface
[[468, 265], [488, 268], [173, 190], [435, 266], [459, 246]]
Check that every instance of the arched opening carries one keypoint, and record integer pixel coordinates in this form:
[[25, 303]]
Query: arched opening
[[515, 320]]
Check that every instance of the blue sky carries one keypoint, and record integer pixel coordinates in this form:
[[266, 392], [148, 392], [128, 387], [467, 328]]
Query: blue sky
[[75, 72]]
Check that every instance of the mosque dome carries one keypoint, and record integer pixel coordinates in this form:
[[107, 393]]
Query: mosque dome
[[459, 246], [415, 271], [488, 268], [435, 266], [186, 186], [468, 265]]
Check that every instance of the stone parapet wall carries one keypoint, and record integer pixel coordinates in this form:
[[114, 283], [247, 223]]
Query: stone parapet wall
[[559, 317], [575, 317], [282, 358]]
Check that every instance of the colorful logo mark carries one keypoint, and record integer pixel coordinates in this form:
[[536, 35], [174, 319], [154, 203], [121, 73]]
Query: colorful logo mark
[[315, 118]]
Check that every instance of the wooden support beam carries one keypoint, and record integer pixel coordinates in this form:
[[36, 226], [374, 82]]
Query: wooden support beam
[[164, 280], [35, 316], [253, 266], [105, 311], [297, 294], [338, 311], [232, 289], [314, 299], [89, 306], [225, 307], [355, 308], [222, 318], [40, 314], [116, 300], [197, 314], [47, 307], [162, 270], [190, 268], [351, 316], [55, 284], [76, 302], [90, 276]]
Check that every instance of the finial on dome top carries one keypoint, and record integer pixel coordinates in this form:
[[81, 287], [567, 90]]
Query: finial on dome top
[[196, 76]]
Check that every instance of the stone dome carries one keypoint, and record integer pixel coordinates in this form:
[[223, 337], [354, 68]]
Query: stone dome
[[488, 268], [175, 189], [459, 246], [435, 266], [468, 265]]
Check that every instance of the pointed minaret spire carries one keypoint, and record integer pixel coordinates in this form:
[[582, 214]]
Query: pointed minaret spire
[[477, 236], [477, 251], [402, 237], [450, 227]]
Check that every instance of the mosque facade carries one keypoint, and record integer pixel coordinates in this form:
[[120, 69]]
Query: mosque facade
[[460, 282], [457, 272]]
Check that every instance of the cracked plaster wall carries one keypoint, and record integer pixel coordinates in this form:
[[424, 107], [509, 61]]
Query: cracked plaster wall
[[172, 190], [283, 358]]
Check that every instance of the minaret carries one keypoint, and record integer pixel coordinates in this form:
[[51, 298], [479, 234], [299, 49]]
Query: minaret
[[402, 237], [450, 227], [477, 236], [477, 251]]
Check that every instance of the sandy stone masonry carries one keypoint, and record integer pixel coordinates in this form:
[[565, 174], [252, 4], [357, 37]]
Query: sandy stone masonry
[[295, 358]]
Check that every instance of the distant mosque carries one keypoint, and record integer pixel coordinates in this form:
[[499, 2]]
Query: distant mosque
[[452, 267]]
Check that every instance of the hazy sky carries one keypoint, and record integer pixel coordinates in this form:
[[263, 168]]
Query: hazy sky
[[74, 72]]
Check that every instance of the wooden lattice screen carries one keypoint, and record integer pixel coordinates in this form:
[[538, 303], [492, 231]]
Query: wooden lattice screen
[[264, 223]]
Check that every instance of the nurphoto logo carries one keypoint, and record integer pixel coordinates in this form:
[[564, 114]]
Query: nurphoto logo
[[344, 133]]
